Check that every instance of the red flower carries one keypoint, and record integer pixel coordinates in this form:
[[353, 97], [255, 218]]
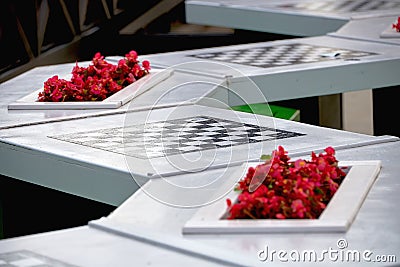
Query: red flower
[[287, 189], [56, 95], [132, 55], [95, 89], [146, 65], [298, 208], [280, 216], [97, 81]]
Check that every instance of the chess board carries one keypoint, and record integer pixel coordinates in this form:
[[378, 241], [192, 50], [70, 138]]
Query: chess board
[[26, 258], [185, 135], [345, 6], [281, 55]]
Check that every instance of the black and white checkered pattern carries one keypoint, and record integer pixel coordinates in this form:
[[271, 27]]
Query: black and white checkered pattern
[[26, 258], [345, 6], [281, 55], [160, 139]]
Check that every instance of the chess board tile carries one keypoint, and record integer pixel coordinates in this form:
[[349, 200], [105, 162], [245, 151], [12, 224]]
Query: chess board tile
[[177, 136], [27, 258], [345, 6], [281, 55]]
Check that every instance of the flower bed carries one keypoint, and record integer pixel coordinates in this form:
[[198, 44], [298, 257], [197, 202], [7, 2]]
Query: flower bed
[[101, 85], [97, 81], [280, 195], [283, 189]]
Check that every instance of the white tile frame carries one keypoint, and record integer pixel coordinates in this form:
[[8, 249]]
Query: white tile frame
[[337, 217], [389, 32], [29, 102]]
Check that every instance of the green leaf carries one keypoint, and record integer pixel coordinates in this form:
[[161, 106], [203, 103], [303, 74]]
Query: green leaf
[[266, 157], [318, 190]]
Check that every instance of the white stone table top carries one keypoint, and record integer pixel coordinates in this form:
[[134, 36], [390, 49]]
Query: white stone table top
[[294, 68], [91, 157], [374, 229], [290, 17], [377, 29]]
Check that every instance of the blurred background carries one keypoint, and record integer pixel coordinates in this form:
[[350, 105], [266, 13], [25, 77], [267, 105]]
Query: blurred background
[[43, 32]]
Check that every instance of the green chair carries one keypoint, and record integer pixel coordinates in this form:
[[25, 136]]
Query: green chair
[[270, 110]]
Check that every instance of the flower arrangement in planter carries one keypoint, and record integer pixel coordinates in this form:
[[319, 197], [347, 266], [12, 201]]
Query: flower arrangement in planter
[[96, 82], [319, 194], [287, 189], [396, 26]]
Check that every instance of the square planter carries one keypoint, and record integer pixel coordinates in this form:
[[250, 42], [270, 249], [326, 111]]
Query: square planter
[[337, 216], [29, 102], [389, 32]]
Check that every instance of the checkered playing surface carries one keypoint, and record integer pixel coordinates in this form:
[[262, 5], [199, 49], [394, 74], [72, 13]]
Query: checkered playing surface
[[281, 55], [26, 258], [177, 136], [345, 6]]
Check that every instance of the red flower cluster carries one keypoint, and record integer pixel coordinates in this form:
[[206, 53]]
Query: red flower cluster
[[298, 189], [397, 26], [97, 81]]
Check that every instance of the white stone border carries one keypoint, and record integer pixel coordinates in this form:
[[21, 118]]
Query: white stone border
[[337, 217], [29, 102], [389, 32]]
